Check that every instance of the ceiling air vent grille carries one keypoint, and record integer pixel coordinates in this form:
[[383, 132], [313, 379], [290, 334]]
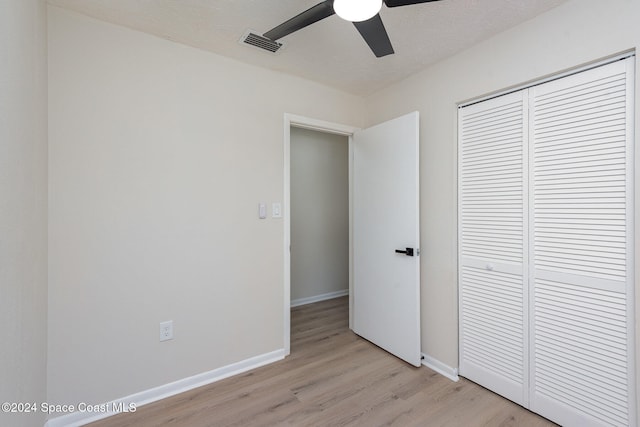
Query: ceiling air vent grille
[[255, 40]]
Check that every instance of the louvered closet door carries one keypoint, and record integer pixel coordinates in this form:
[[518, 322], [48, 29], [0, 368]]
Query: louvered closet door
[[492, 241], [581, 247]]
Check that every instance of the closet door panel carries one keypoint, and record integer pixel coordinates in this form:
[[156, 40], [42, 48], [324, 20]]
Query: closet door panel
[[492, 241], [580, 246]]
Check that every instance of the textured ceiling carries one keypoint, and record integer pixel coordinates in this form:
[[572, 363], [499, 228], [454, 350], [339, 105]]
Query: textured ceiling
[[331, 51]]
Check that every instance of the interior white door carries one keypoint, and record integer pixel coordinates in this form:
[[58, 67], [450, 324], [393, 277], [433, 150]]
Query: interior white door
[[386, 306], [492, 210], [546, 246], [581, 245]]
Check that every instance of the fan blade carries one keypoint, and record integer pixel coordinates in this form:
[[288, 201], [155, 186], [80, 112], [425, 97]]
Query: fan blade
[[308, 17], [396, 3], [374, 33]]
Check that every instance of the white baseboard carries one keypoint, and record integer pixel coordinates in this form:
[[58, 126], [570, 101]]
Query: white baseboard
[[439, 367], [318, 298], [136, 400]]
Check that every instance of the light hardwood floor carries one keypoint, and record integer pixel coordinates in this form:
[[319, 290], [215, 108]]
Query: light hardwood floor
[[332, 378]]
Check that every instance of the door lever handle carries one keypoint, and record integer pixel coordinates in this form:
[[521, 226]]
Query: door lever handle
[[407, 251]]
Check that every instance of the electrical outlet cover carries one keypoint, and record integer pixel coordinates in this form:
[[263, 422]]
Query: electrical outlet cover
[[166, 330]]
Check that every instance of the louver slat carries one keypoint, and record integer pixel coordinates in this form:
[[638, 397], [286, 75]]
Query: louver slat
[[491, 213], [580, 213]]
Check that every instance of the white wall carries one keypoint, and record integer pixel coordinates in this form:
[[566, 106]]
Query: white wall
[[159, 155], [578, 32], [23, 206], [319, 213]]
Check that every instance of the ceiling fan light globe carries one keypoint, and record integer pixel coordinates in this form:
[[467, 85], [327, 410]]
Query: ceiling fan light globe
[[357, 10]]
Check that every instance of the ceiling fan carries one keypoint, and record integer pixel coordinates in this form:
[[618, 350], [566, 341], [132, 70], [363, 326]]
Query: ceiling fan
[[363, 13]]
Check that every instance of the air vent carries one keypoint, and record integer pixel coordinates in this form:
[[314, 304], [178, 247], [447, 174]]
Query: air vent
[[253, 39]]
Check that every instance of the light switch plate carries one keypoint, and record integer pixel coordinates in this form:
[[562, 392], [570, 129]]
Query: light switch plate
[[276, 210], [262, 210]]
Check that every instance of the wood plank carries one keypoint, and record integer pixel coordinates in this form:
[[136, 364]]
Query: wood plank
[[332, 377]]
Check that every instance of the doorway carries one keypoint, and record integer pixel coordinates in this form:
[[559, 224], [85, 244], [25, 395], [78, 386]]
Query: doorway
[[319, 216], [384, 232], [333, 129]]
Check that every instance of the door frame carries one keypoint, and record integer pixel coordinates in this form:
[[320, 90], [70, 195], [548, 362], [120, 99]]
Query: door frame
[[292, 120]]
